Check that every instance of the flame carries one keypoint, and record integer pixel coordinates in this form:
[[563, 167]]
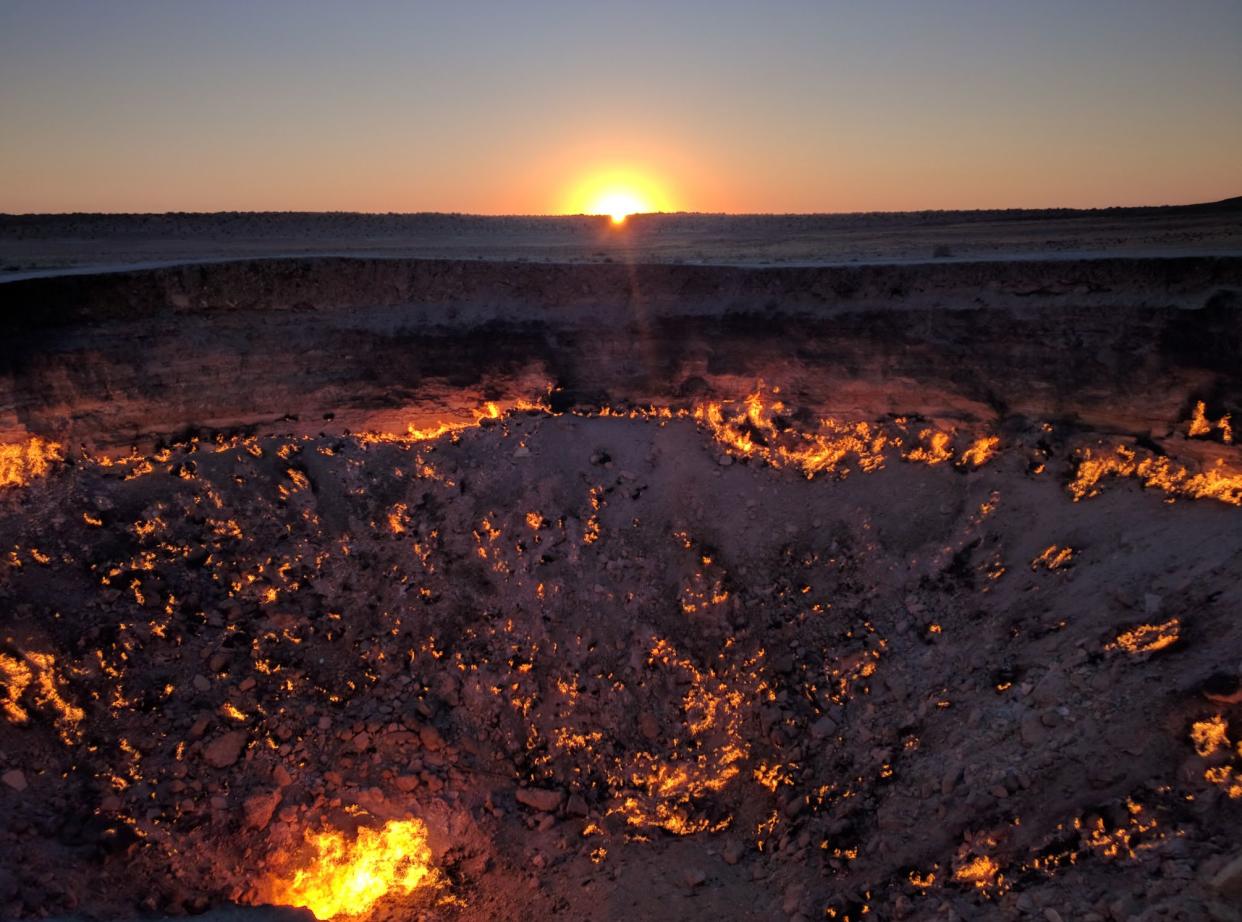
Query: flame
[[1201, 427], [1148, 638], [347, 878], [1209, 735], [982, 871], [1053, 558], [980, 452], [37, 671], [1217, 482], [21, 462], [752, 431]]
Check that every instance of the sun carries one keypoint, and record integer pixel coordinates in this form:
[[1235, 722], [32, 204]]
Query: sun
[[617, 193], [619, 205]]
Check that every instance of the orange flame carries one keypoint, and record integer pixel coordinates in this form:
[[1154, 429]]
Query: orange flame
[[22, 462], [347, 878]]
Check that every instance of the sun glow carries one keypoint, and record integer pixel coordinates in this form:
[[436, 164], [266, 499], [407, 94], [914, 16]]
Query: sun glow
[[617, 194], [619, 206]]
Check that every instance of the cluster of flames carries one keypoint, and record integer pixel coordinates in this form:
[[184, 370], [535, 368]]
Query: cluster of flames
[[1210, 737], [344, 876], [1217, 482], [758, 428], [22, 462]]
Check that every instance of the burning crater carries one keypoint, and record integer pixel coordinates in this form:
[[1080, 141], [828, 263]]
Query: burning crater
[[419, 590]]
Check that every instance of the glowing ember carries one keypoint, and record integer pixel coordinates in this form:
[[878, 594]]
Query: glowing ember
[[1148, 638], [935, 451], [1053, 558], [346, 878], [1210, 735], [981, 871], [38, 671]]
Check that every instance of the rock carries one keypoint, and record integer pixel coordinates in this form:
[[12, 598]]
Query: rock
[[406, 783], [224, 750], [1033, 730], [15, 778], [259, 808], [539, 799], [521, 452], [430, 737], [952, 775], [576, 806], [1051, 689], [648, 726], [823, 728], [694, 877], [201, 683], [1227, 881], [733, 851]]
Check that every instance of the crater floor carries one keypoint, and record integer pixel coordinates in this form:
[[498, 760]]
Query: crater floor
[[624, 666]]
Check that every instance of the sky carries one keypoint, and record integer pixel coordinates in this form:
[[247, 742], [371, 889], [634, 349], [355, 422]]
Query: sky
[[546, 107]]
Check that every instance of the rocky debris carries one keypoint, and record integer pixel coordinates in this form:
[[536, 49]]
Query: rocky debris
[[225, 749], [1228, 880], [258, 808], [15, 778], [539, 799]]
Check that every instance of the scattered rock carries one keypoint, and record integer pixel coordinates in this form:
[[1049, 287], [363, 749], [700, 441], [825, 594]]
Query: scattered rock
[[823, 728], [258, 808], [15, 778], [539, 799], [1228, 880], [224, 750]]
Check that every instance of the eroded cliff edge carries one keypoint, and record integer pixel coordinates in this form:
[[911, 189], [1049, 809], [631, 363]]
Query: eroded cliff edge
[[332, 344]]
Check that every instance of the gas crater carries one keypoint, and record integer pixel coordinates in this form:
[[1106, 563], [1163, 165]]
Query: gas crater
[[396, 589]]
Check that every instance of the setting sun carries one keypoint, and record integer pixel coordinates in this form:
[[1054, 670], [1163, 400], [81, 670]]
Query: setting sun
[[617, 193], [619, 206]]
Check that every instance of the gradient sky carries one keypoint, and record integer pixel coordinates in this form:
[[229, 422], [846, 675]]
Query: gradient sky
[[508, 107]]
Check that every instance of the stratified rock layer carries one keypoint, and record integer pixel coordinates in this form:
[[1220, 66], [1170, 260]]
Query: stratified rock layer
[[334, 344]]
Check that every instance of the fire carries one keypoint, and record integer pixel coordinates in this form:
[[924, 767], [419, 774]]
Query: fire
[[935, 451], [1216, 482], [1148, 638], [980, 452], [21, 462], [347, 878], [981, 871], [1210, 735], [37, 671], [1201, 426], [1053, 558], [752, 430]]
